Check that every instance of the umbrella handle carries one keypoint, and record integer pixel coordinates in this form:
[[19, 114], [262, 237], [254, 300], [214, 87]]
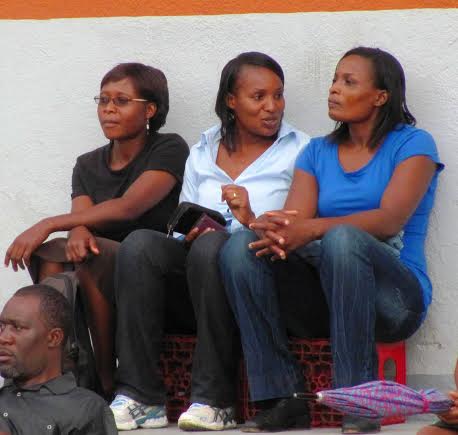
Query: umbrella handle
[[308, 396]]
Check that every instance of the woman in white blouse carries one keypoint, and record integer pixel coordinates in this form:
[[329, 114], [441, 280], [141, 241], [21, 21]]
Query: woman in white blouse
[[242, 168]]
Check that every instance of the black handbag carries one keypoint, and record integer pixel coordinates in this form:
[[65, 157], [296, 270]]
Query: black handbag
[[187, 214]]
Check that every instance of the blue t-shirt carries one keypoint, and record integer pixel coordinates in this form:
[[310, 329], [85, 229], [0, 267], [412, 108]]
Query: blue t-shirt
[[343, 193]]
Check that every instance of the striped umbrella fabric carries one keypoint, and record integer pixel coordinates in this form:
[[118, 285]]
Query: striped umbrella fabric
[[379, 399]]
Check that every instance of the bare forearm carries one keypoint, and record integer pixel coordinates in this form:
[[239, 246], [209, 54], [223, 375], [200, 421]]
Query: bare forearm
[[114, 210], [380, 223]]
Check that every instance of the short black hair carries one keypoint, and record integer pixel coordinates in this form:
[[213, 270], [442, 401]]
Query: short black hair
[[55, 310], [389, 76], [229, 77], [149, 82]]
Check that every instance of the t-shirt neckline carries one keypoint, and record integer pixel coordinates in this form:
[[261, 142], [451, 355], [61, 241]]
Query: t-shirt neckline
[[121, 171]]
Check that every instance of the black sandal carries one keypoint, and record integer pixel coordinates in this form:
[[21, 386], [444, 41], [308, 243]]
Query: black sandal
[[282, 414]]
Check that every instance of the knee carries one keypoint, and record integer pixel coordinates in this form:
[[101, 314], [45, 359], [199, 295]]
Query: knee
[[341, 240], [235, 256], [204, 251], [137, 245]]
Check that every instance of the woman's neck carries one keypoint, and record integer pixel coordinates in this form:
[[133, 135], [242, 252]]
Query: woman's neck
[[124, 151], [246, 141], [360, 134]]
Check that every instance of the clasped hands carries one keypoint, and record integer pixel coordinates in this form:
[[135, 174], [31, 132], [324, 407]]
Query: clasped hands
[[280, 232]]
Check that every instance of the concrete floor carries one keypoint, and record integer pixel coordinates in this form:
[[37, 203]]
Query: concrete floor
[[409, 428]]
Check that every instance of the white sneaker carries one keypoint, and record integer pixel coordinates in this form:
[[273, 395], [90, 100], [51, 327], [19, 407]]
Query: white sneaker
[[130, 414], [205, 417]]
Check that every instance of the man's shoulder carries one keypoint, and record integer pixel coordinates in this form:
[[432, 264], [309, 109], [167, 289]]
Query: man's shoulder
[[66, 385], [86, 396]]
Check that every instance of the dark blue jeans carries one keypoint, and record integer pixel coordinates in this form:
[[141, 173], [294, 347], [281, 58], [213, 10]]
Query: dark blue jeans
[[369, 293]]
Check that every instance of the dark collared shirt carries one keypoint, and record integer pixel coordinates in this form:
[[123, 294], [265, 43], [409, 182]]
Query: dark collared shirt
[[57, 407]]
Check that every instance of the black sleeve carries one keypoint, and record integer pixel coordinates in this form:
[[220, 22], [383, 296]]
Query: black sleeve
[[168, 154], [99, 421], [78, 188]]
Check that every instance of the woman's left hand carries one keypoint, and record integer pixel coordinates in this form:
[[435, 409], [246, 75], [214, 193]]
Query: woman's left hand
[[238, 200], [284, 232], [25, 244]]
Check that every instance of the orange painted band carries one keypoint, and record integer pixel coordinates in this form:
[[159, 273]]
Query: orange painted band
[[45, 9]]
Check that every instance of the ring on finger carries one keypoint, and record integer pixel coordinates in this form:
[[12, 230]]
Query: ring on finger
[[234, 195]]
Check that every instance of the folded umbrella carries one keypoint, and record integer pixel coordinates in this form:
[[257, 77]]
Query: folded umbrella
[[379, 399]]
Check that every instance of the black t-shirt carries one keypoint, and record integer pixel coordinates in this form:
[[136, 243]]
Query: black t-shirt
[[93, 177], [55, 407]]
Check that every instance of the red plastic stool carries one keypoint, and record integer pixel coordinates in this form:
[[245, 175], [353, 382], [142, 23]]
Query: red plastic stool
[[392, 367]]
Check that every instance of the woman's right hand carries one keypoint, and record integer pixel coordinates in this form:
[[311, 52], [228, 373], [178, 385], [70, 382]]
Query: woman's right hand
[[80, 243], [24, 245], [270, 228], [194, 233]]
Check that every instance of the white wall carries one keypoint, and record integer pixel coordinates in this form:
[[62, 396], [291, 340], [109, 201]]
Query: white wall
[[50, 70]]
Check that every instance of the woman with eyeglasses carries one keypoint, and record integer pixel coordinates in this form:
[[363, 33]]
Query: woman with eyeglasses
[[133, 182]]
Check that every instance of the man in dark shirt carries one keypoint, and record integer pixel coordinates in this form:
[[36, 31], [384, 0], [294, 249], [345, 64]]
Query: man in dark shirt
[[37, 398]]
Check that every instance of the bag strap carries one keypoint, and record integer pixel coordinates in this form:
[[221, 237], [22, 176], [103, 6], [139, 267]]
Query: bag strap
[[66, 283]]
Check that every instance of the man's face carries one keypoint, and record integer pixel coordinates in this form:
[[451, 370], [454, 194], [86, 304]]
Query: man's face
[[23, 339]]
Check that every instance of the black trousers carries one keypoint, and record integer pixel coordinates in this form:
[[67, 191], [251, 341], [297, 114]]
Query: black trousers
[[161, 286]]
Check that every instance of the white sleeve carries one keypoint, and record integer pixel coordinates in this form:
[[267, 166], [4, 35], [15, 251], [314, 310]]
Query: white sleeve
[[189, 190]]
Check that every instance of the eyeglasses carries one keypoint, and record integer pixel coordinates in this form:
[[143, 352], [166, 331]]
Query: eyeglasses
[[117, 101]]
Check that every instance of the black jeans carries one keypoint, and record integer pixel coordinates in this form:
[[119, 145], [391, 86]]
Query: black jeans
[[161, 286]]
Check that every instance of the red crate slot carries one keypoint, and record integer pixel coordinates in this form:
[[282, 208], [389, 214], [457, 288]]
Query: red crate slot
[[176, 365]]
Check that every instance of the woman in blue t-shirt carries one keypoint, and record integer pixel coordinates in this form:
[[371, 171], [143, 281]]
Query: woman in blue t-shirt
[[357, 212]]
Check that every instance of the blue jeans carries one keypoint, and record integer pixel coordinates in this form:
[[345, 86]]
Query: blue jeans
[[369, 293]]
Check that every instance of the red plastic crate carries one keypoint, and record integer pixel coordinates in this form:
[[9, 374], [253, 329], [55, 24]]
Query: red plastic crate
[[314, 356], [176, 365]]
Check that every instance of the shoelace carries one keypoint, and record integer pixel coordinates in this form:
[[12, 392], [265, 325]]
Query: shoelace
[[219, 412], [223, 414]]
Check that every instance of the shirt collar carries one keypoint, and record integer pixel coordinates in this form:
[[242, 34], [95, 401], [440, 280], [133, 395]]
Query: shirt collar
[[61, 385], [212, 136]]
